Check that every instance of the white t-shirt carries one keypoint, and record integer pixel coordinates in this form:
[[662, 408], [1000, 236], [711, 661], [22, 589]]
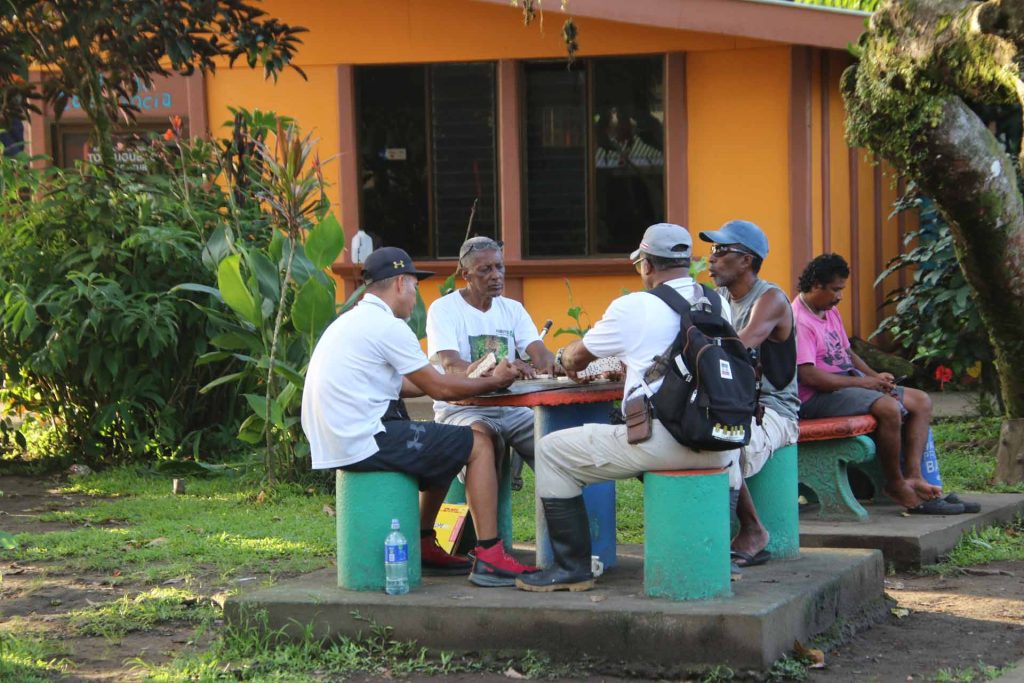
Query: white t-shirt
[[355, 371], [454, 325], [639, 326]]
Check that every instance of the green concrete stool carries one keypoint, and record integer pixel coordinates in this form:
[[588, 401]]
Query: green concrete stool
[[775, 493], [366, 504], [686, 534], [823, 469], [457, 495]]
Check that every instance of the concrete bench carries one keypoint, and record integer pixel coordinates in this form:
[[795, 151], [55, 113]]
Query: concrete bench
[[827, 447]]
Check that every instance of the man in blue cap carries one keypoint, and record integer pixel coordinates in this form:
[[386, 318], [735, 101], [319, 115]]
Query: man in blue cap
[[352, 413], [763, 317]]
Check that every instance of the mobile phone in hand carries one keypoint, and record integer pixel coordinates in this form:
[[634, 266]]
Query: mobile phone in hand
[[901, 379]]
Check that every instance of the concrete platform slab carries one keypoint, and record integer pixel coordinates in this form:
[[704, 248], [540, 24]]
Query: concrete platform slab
[[771, 606], [909, 541]]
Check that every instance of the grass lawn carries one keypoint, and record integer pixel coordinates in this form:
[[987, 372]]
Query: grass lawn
[[170, 557]]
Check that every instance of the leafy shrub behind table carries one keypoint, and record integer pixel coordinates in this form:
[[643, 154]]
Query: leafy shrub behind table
[[91, 339]]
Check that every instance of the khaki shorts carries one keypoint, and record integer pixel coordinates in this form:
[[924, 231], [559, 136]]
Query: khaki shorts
[[774, 433]]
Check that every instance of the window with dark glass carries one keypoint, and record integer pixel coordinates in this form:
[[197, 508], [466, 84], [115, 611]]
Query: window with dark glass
[[427, 152], [594, 155]]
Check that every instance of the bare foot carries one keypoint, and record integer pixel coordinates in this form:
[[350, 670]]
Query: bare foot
[[923, 489], [751, 539], [903, 493]]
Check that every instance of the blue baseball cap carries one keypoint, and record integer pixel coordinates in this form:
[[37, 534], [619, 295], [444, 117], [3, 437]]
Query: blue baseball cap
[[743, 233]]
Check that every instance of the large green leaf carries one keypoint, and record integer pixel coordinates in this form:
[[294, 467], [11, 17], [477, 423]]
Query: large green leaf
[[313, 309], [217, 247], [194, 287], [266, 272], [258, 403], [235, 292], [325, 242], [418, 320]]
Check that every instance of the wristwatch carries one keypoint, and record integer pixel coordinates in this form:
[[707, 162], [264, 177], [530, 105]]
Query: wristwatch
[[558, 357]]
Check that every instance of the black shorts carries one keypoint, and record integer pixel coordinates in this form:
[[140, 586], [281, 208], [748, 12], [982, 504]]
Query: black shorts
[[433, 453]]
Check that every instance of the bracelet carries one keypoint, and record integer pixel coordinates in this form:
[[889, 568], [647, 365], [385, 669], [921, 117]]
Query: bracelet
[[558, 357]]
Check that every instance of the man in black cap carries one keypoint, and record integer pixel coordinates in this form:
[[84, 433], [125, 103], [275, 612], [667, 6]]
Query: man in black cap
[[636, 327], [353, 416]]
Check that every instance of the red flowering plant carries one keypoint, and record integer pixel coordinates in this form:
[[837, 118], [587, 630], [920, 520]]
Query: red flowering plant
[[943, 375]]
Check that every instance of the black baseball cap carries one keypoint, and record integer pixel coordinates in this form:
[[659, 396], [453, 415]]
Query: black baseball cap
[[390, 261]]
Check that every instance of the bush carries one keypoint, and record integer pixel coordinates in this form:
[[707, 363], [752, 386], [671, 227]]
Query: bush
[[90, 335], [936, 321]]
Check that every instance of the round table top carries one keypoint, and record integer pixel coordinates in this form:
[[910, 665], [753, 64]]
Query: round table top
[[568, 395]]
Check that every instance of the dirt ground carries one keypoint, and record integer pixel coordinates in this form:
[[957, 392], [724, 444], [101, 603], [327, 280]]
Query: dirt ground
[[951, 624]]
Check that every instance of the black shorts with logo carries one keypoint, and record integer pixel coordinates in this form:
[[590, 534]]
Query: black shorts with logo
[[433, 453]]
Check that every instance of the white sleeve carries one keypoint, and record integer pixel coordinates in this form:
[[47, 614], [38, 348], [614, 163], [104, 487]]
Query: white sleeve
[[607, 337], [442, 329], [523, 329], [401, 349]]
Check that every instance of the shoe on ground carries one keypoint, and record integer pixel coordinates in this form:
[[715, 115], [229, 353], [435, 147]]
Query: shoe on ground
[[968, 506], [556, 579], [495, 568], [937, 506], [436, 561]]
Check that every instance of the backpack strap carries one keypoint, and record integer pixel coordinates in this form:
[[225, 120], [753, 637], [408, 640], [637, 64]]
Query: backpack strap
[[678, 303]]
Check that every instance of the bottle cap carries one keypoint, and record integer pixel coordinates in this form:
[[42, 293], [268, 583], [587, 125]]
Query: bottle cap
[[394, 524]]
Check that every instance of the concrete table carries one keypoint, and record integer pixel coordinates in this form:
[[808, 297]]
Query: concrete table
[[560, 405]]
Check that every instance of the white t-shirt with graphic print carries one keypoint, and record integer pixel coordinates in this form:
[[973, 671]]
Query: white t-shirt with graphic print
[[454, 325]]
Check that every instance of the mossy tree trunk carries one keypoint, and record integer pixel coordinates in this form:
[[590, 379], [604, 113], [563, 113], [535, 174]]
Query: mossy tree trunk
[[905, 98]]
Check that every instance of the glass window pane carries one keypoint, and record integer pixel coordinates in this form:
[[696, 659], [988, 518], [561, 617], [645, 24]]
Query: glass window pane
[[391, 115], [463, 161], [628, 158], [556, 160]]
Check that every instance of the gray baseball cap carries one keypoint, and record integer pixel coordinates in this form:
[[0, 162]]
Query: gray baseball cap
[[743, 233], [667, 240]]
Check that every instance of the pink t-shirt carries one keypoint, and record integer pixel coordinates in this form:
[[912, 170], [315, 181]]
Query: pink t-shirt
[[821, 341]]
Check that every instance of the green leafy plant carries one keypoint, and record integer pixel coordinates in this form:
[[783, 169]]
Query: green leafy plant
[[935, 320], [577, 314], [264, 281], [90, 337]]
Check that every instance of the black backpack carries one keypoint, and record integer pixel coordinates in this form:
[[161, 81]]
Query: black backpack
[[708, 403]]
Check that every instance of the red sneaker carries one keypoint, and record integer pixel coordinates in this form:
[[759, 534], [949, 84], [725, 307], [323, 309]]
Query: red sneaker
[[437, 561], [493, 567]]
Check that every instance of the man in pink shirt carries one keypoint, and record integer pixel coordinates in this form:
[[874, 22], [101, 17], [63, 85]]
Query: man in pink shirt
[[835, 381]]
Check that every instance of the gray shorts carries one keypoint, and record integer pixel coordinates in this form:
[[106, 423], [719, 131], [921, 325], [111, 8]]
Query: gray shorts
[[513, 425], [843, 402]]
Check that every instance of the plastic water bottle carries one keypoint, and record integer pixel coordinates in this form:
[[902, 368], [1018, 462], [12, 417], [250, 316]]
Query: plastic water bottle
[[396, 562]]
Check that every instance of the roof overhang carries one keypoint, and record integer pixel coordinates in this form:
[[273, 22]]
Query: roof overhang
[[775, 20]]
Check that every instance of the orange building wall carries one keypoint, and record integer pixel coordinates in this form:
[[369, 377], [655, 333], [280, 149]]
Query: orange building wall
[[839, 184], [547, 297], [738, 105]]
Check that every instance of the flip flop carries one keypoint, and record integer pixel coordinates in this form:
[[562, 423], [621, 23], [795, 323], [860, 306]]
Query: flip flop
[[741, 558], [968, 506], [938, 506]]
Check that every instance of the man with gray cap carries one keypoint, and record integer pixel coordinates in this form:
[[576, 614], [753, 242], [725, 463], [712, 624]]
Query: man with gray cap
[[763, 318], [352, 414], [636, 327], [463, 327]]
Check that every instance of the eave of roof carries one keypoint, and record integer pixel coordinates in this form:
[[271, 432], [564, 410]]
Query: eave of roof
[[775, 20]]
